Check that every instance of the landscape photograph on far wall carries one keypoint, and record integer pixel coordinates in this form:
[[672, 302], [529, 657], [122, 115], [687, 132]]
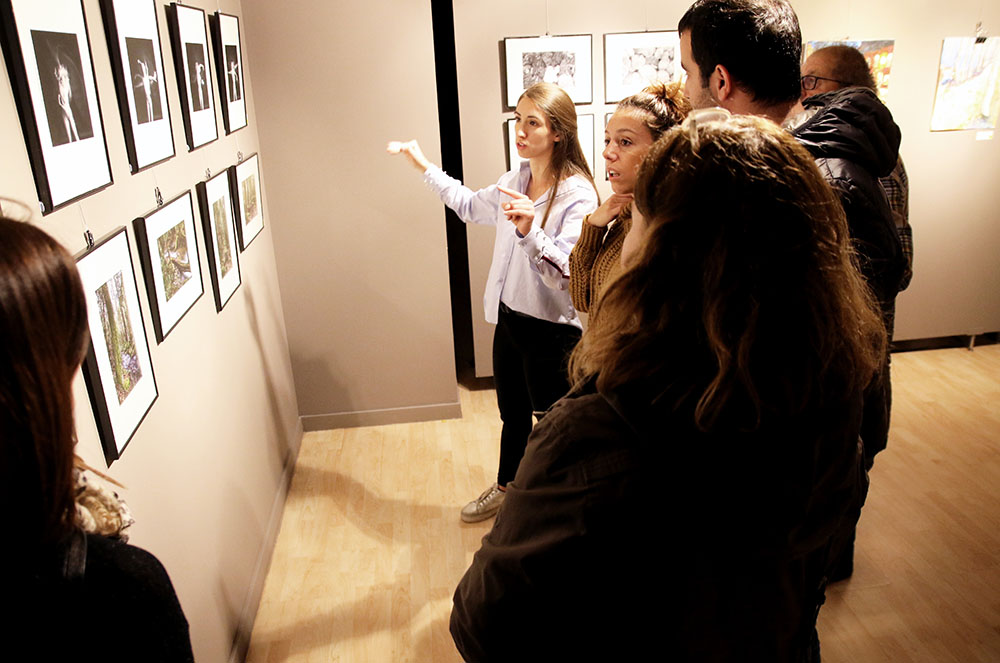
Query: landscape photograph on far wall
[[968, 88]]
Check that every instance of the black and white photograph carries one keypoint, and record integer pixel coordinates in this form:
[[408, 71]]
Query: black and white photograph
[[189, 42], [60, 72], [47, 52], [244, 183], [197, 72], [633, 60], [563, 60], [229, 68], [168, 253], [585, 132], [134, 44], [146, 80], [117, 368], [234, 81], [557, 67], [216, 202]]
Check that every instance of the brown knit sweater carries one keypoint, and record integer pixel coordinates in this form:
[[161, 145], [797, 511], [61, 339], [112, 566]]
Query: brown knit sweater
[[596, 259]]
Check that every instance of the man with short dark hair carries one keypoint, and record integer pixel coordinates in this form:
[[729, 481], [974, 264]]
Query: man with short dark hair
[[742, 55]]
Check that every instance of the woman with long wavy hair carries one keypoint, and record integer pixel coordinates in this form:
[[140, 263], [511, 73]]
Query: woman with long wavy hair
[[537, 208], [67, 591], [681, 502]]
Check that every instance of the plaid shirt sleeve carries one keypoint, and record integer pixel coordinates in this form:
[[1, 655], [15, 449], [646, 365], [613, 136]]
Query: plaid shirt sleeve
[[897, 190]]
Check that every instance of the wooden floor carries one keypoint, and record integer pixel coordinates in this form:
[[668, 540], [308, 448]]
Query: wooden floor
[[371, 546]]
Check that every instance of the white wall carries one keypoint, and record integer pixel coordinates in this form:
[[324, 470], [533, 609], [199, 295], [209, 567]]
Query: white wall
[[954, 197], [206, 471], [361, 248], [953, 191]]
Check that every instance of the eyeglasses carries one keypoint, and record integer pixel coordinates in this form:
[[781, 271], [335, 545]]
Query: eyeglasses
[[810, 82]]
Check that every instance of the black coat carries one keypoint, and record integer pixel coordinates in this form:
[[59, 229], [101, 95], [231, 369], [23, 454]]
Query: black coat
[[855, 141], [94, 598], [629, 535]]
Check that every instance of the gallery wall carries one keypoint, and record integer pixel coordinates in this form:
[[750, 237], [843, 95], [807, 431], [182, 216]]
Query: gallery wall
[[361, 251], [953, 194], [206, 471]]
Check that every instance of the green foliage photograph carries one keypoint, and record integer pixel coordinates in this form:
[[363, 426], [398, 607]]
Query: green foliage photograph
[[221, 224], [175, 263], [249, 199], [118, 336]]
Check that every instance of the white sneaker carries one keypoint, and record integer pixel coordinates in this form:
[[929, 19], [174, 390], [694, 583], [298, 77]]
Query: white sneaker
[[484, 506]]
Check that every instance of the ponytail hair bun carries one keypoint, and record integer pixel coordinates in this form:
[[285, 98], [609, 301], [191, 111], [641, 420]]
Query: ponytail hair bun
[[661, 106]]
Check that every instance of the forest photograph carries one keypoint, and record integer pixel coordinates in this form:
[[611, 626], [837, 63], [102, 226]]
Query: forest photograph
[[175, 261], [118, 335], [249, 186], [221, 223]]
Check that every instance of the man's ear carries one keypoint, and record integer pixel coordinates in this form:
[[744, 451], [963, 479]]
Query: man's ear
[[721, 85]]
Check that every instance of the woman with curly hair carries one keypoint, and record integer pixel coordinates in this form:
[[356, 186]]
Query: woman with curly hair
[[637, 123], [681, 502]]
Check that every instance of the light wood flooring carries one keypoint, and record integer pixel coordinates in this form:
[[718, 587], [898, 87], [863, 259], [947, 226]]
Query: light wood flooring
[[371, 546]]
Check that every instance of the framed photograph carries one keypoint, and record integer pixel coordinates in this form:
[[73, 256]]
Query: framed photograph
[[229, 68], [216, 204], [47, 50], [633, 60], [565, 61], [244, 184], [140, 80], [117, 368], [168, 253], [189, 42], [584, 130], [968, 85]]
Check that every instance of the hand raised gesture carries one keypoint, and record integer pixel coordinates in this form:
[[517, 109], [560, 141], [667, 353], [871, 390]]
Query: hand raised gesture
[[609, 209], [412, 150], [520, 211]]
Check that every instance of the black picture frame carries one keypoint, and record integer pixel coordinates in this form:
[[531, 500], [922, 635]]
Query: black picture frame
[[230, 73], [117, 367], [527, 60], [189, 44], [46, 46], [133, 35], [634, 60], [167, 239], [248, 204], [216, 203]]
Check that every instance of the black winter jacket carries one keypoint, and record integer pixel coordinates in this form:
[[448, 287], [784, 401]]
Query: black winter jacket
[[855, 141], [630, 535]]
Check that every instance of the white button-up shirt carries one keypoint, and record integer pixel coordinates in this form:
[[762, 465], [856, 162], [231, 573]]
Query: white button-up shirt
[[529, 274]]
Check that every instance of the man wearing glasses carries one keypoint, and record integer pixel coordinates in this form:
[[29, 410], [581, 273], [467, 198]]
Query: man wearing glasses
[[834, 68]]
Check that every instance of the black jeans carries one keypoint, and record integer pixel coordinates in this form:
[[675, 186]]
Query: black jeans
[[529, 370]]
